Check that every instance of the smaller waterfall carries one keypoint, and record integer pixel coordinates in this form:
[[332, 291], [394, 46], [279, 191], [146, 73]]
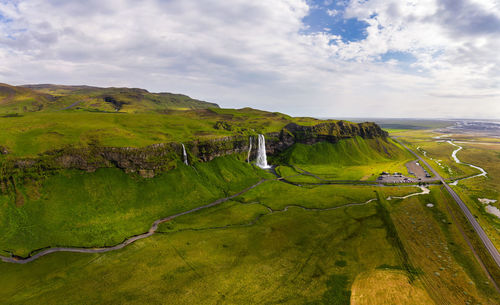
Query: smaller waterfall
[[261, 153], [184, 154], [249, 149]]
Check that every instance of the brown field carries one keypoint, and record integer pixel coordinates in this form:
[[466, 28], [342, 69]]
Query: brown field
[[387, 287]]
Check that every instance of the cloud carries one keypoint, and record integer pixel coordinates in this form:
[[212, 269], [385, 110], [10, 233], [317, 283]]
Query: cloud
[[332, 12], [256, 53]]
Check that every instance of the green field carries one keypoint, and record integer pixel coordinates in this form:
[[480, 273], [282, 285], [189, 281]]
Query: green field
[[265, 245]]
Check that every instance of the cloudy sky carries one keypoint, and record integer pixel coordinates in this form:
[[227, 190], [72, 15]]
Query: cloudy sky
[[357, 58]]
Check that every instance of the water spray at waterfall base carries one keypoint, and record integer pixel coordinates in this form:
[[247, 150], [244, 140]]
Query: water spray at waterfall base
[[184, 154], [261, 153]]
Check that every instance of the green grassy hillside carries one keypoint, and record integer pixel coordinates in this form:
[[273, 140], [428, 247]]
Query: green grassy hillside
[[102, 208], [32, 98], [349, 159], [18, 99]]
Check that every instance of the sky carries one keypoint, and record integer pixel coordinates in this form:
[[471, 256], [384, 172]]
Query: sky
[[323, 58]]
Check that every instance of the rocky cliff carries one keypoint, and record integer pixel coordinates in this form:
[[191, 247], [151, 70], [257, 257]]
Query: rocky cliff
[[149, 160]]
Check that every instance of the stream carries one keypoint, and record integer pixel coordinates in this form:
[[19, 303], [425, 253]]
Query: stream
[[455, 158]]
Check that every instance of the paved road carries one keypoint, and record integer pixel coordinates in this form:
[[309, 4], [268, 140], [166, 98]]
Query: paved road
[[477, 227]]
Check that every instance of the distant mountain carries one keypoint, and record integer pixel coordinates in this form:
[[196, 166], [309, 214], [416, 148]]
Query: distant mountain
[[18, 99], [48, 97]]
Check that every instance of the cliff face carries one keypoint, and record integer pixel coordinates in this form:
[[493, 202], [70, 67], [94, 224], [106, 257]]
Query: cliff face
[[160, 157], [324, 132]]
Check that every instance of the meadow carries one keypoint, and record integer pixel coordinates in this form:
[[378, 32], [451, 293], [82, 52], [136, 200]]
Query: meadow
[[435, 244], [437, 153]]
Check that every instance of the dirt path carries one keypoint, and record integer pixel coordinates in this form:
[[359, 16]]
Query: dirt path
[[424, 192]]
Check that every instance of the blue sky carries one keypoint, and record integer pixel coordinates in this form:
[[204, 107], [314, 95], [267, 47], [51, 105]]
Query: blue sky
[[328, 16], [380, 58]]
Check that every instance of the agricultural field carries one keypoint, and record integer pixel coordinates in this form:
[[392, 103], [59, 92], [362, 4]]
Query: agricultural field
[[434, 242]]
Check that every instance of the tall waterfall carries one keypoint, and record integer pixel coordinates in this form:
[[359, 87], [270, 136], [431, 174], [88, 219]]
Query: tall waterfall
[[261, 153], [249, 149], [184, 154]]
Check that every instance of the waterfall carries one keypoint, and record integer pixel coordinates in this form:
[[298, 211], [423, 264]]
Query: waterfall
[[184, 154], [249, 149], [261, 153]]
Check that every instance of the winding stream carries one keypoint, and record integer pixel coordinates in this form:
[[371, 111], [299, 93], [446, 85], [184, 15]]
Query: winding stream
[[455, 158], [424, 192]]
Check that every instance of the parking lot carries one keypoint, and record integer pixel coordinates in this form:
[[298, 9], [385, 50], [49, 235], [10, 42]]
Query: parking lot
[[416, 173]]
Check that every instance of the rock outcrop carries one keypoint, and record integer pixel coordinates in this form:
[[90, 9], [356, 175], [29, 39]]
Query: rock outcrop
[[149, 160]]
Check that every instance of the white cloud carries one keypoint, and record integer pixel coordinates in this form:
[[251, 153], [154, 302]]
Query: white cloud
[[255, 53], [332, 13]]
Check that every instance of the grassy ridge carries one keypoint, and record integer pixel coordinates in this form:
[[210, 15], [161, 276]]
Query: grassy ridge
[[18, 99], [32, 98], [349, 159], [34, 133]]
